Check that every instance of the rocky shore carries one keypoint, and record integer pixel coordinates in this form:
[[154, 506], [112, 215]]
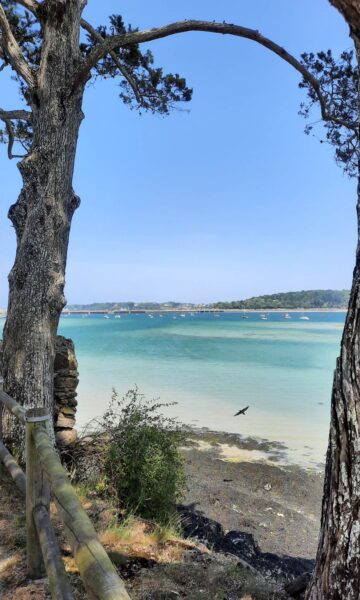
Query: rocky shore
[[239, 500]]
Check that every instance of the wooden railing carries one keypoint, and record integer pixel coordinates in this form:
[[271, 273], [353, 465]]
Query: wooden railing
[[45, 477]]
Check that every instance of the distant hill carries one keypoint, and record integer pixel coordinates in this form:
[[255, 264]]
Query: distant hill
[[303, 299]]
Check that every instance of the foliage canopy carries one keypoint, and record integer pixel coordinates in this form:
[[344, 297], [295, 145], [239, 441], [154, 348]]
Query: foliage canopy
[[145, 87], [338, 80]]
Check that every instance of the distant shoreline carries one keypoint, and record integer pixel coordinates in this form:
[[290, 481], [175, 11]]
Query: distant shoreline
[[205, 311], [281, 310], [199, 311]]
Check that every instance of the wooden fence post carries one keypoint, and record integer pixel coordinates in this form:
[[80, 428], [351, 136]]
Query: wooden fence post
[[37, 492], [59, 585], [97, 571]]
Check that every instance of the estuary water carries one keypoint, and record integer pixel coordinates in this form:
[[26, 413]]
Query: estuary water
[[213, 366]]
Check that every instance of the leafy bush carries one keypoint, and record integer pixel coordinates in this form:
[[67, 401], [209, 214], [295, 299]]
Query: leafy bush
[[143, 463]]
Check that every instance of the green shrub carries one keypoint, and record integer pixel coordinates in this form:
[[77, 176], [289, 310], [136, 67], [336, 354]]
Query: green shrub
[[143, 463]]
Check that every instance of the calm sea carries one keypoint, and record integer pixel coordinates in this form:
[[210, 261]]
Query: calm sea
[[213, 366]]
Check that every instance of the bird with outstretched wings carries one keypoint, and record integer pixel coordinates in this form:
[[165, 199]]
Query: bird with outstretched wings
[[241, 412]]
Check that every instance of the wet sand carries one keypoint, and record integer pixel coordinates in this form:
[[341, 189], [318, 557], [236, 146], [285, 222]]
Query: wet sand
[[247, 485]]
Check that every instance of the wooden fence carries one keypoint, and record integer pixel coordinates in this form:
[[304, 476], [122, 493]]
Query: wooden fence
[[45, 477]]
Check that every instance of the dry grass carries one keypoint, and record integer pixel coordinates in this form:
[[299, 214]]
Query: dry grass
[[139, 538], [14, 584], [154, 560]]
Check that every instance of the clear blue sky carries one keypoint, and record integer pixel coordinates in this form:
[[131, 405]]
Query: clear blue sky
[[226, 201]]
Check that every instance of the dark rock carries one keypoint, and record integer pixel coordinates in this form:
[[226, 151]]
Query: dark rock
[[298, 586], [133, 565], [241, 544], [165, 595], [62, 395], [72, 402], [197, 526], [67, 383]]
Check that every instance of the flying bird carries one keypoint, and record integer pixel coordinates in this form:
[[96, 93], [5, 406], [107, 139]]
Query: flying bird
[[241, 412]]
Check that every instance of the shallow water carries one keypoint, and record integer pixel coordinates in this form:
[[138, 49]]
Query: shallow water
[[213, 366]]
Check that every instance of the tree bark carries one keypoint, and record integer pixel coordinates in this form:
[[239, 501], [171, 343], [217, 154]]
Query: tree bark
[[337, 571], [43, 212], [350, 10]]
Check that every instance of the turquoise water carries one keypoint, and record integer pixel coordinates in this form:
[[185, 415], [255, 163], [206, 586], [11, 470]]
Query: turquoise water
[[213, 366]]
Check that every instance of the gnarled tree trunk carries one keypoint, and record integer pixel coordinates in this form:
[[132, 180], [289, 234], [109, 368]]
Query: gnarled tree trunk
[[337, 570], [43, 212]]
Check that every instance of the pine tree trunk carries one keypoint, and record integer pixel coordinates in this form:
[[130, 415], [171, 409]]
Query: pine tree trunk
[[337, 570], [42, 214]]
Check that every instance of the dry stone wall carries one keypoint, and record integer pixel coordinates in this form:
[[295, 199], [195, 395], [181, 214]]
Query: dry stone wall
[[66, 379]]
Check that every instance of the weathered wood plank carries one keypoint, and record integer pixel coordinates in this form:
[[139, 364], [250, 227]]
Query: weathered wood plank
[[13, 406], [15, 471], [97, 571], [58, 582], [37, 492]]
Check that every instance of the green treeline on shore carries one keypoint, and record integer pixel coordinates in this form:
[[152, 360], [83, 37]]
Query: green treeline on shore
[[286, 300], [304, 299]]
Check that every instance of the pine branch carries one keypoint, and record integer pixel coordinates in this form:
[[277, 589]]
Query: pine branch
[[139, 37], [97, 36], [12, 51]]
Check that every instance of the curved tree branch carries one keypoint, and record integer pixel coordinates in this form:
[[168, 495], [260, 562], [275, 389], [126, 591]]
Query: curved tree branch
[[25, 115], [12, 51], [7, 116], [11, 140], [97, 36], [139, 37]]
